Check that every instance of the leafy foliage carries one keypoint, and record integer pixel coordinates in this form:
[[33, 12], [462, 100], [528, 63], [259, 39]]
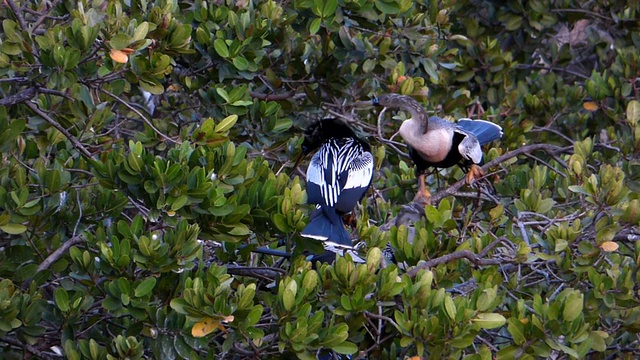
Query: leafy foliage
[[148, 148]]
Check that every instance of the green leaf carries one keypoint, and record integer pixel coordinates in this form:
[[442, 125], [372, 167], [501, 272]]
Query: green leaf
[[10, 48], [13, 229], [61, 299], [120, 41], [330, 7], [314, 26], [226, 123], [573, 306], [346, 348], [141, 31], [450, 307], [151, 85], [516, 329], [282, 124], [241, 63], [221, 48], [633, 112], [145, 287], [387, 7], [289, 296], [489, 320]]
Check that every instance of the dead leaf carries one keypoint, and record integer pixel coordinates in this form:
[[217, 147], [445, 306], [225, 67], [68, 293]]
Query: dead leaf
[[205, 327], [609, 246], [590, 106], [118, 56]]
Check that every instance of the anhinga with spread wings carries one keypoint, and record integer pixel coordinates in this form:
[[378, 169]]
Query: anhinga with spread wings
[[435, 142], [338, 176]]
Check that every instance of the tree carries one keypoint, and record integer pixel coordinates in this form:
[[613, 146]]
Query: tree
[[148, 145]]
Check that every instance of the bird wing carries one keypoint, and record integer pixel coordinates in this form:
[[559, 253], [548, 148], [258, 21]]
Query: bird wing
[[358, 178], [484, 131], [469, 147], [339, 174]]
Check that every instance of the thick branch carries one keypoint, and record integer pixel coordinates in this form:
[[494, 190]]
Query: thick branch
[[269, 273], [276, 97], [22, 96], [414, 211], [18, 14], [551, 149], [23, 345], [59, 252]]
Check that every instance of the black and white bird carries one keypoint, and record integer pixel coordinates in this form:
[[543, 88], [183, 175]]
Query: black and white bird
[[435, 142], [338, 176]]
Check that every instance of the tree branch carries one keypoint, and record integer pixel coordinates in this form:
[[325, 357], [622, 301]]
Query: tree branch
[[57, 254], [466, 254], [77, 144], [144, 118], [414, 211], [18, 14], [29, 348], [22, 96]]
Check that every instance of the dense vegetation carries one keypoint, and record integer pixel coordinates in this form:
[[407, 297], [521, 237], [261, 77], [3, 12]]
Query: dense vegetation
[[148, 147]]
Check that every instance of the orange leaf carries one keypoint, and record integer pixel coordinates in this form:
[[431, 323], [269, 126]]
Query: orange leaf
[[127, 51], [205, 327], [118, 56], [609, 246], [590, 106]]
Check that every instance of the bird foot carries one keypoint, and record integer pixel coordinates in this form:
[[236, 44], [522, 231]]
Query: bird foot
[[475, 173], [423, 196]]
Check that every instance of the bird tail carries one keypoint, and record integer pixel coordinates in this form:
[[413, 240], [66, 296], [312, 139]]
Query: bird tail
[[485, 131], [326, 225]]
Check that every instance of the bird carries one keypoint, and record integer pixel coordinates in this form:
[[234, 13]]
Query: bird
[[339, 174], [435, 142]]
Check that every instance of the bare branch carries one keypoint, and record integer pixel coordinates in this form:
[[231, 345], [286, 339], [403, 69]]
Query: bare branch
[[23, 345], [22, 96], [144, 118], [77, 144], [57, 254], [466, 254]]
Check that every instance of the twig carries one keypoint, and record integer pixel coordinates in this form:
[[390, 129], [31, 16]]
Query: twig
[[552, 149], [29, 348], [64, 131], [553, 69], [57, 254], [267, 273], [276, 97], [18, 14], [466, 254], [382, 317], [144, 118]]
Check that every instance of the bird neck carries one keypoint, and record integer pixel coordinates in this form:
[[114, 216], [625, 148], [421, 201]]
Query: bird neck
[[419, 118]]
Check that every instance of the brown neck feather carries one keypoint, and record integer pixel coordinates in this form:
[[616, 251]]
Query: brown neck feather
[[409, 104]]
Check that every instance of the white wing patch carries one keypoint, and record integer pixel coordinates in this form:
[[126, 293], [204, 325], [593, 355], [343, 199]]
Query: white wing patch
[[360, 172], [342, 249], [469, 147], [334, 159]]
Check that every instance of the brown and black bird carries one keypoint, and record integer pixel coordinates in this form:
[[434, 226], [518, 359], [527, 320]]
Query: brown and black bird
[[435, 142]]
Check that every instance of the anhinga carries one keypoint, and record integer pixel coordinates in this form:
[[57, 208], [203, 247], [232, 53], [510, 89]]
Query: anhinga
[[435, 142], [338, 176]]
